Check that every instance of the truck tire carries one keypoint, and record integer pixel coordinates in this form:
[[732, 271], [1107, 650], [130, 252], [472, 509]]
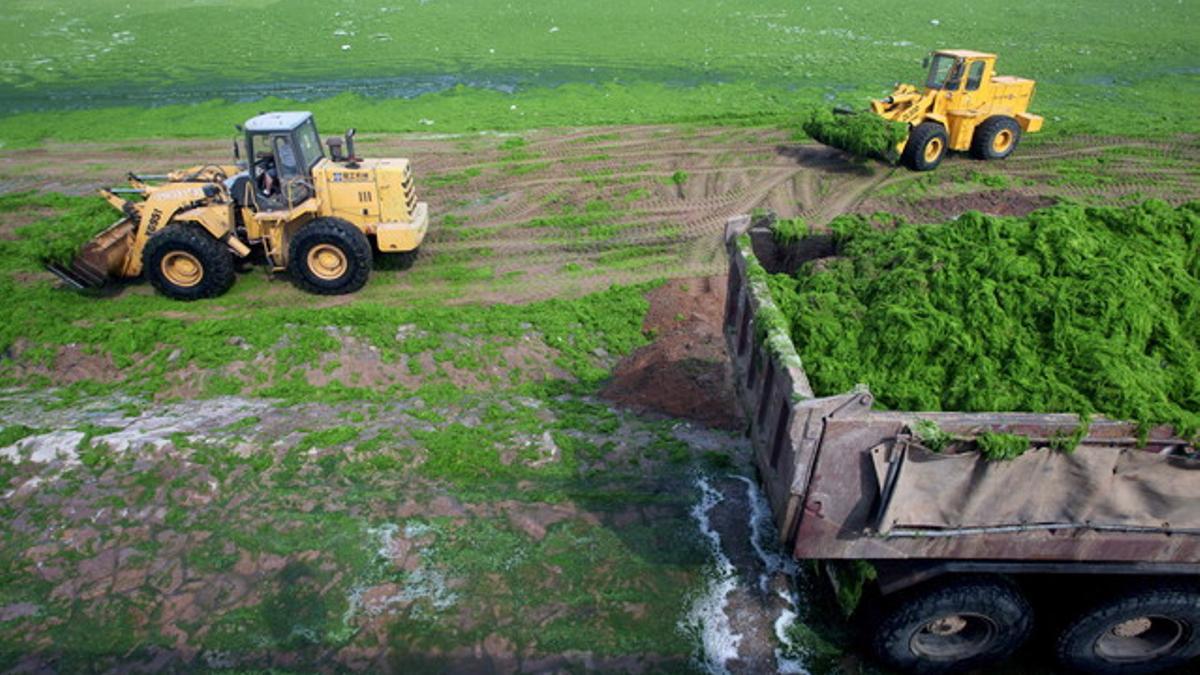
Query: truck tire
[[996, 138], [1145, 631], [329, 256], [184, 262], [926, 147], [952, 625]]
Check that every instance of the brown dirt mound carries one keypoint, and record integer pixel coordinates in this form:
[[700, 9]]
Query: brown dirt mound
[[685, 371], [939, 209], [994, 202]]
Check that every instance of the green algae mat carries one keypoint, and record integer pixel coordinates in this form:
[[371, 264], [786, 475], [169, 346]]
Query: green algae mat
[[1071, 309]]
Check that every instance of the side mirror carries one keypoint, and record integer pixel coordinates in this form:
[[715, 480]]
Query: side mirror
[[238, 128], [925, 62]]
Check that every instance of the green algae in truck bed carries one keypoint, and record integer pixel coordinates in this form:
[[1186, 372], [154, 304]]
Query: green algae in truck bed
[[1071, 309]]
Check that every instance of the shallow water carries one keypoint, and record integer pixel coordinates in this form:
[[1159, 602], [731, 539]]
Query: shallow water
[[17, 99]]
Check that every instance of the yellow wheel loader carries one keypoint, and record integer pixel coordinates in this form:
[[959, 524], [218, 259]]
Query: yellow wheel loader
[[319, 218], [964, 106]]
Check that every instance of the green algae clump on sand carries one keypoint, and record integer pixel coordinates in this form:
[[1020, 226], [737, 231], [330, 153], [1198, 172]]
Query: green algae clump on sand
[[1070, 309], [863, 134], [59, 238]]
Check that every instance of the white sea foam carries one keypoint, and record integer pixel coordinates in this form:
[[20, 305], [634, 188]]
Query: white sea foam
[[706, 617], [763, 536]]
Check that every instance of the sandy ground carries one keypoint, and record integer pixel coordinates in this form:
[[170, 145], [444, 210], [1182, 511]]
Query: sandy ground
[[563, 212]]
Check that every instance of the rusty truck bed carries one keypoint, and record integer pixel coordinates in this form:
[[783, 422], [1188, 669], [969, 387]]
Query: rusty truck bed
[[848, 481]]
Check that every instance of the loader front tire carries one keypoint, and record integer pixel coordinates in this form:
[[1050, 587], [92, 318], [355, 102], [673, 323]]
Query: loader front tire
[[184, 262], [329, 256], [996, 138], [926, 147]]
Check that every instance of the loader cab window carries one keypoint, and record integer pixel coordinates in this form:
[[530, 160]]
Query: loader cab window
[[309, 145], [282, 162], [287, 162], [294, 172], [975, 75], [263, 167], [943, 71]]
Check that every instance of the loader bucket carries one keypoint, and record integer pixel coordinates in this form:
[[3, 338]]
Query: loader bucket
[[100, 259], [864, 134]]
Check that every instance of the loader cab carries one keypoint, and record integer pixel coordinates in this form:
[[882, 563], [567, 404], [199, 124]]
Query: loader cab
[[962, 80], [959, 70], [281, 150]]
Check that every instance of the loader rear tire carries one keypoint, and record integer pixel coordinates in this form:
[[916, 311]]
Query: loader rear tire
[[926, 147], [184, 262], [329, 256], [996, 138]]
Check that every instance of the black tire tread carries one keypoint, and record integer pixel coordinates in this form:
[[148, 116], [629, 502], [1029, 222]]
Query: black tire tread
[[892, 629], [1074, 646], [219, 269], [981, 142], [914, 150], [346, 236]]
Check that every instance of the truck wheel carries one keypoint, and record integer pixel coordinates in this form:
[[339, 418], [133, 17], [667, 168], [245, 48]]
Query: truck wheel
[[926, 147], [1146, 631], [184, 262], [996, 138], [329, 256], [953, 625]]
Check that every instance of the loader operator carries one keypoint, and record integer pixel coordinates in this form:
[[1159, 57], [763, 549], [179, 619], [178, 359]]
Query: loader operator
[[265, 175]]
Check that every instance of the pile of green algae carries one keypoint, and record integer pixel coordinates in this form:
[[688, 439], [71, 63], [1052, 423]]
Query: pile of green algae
[[1070, 309], [863, 134]]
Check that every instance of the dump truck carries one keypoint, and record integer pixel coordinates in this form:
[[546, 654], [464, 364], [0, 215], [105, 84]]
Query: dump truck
[[318, 218], [964, 106], [958, 559]]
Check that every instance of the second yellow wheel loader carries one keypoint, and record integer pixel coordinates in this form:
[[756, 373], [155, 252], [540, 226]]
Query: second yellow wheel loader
[[964, 106], [319, 218]]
